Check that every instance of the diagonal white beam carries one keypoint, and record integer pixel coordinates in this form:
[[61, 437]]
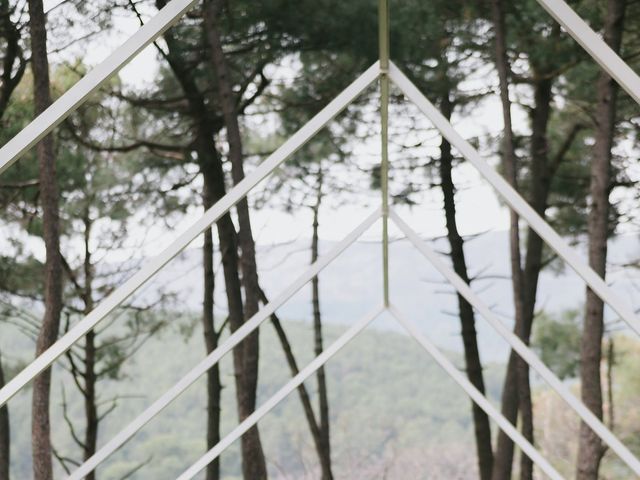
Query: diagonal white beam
[[595, 46], [476, 395], [91, 82], [185, 382], [289, 387], [151, 267], [523, 350], [515, 201]]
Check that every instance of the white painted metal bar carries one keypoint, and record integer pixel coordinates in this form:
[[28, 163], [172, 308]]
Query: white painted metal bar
[[515, 201], [476, 395], [210, 216], [594, 45], [91, 82], [523, 350], [289, 387], [185, 382]]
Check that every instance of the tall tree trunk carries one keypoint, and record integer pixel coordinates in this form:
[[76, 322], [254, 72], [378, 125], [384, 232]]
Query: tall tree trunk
[[10, 77], [13, 64], [590, 450], [207, 125], [214, 386], [504, 457], [254, 465], [504, 450], [90, 406], [611, 360], [213, 175], [516, 393], [89, 374], [5, 433], [482, 428], [40, 428], [323, 398], [541, 178]]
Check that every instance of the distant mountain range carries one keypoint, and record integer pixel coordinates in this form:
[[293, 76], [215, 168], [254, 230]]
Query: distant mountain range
[[353, 284]]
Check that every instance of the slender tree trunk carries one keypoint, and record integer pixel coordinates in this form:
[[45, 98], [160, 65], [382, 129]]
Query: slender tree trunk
[[90, 407], [482, 428], [214, 386], [323, 397], [10, 77], [40, 429], [611, 360], [254, 465], [504, 450], [516, 393], [13, 64], [590, 450], [7, 85], [5, 433], [541, 184], [89, 374], [213, 175]]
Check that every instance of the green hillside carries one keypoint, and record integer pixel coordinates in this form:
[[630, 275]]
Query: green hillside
[[394, 414], [391, 407]]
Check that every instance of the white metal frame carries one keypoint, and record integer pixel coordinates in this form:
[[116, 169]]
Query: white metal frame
[[150, 268], [91, 82], [281, 394], [385, 70], [594, 45], [515, 200], [518, 345], [442, 361], [475, 394], [214, 357]]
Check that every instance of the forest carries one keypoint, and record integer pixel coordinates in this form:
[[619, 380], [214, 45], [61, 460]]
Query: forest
[[86, 209]]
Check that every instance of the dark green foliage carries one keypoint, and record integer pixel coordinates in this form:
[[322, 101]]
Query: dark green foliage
[[556, 338]]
